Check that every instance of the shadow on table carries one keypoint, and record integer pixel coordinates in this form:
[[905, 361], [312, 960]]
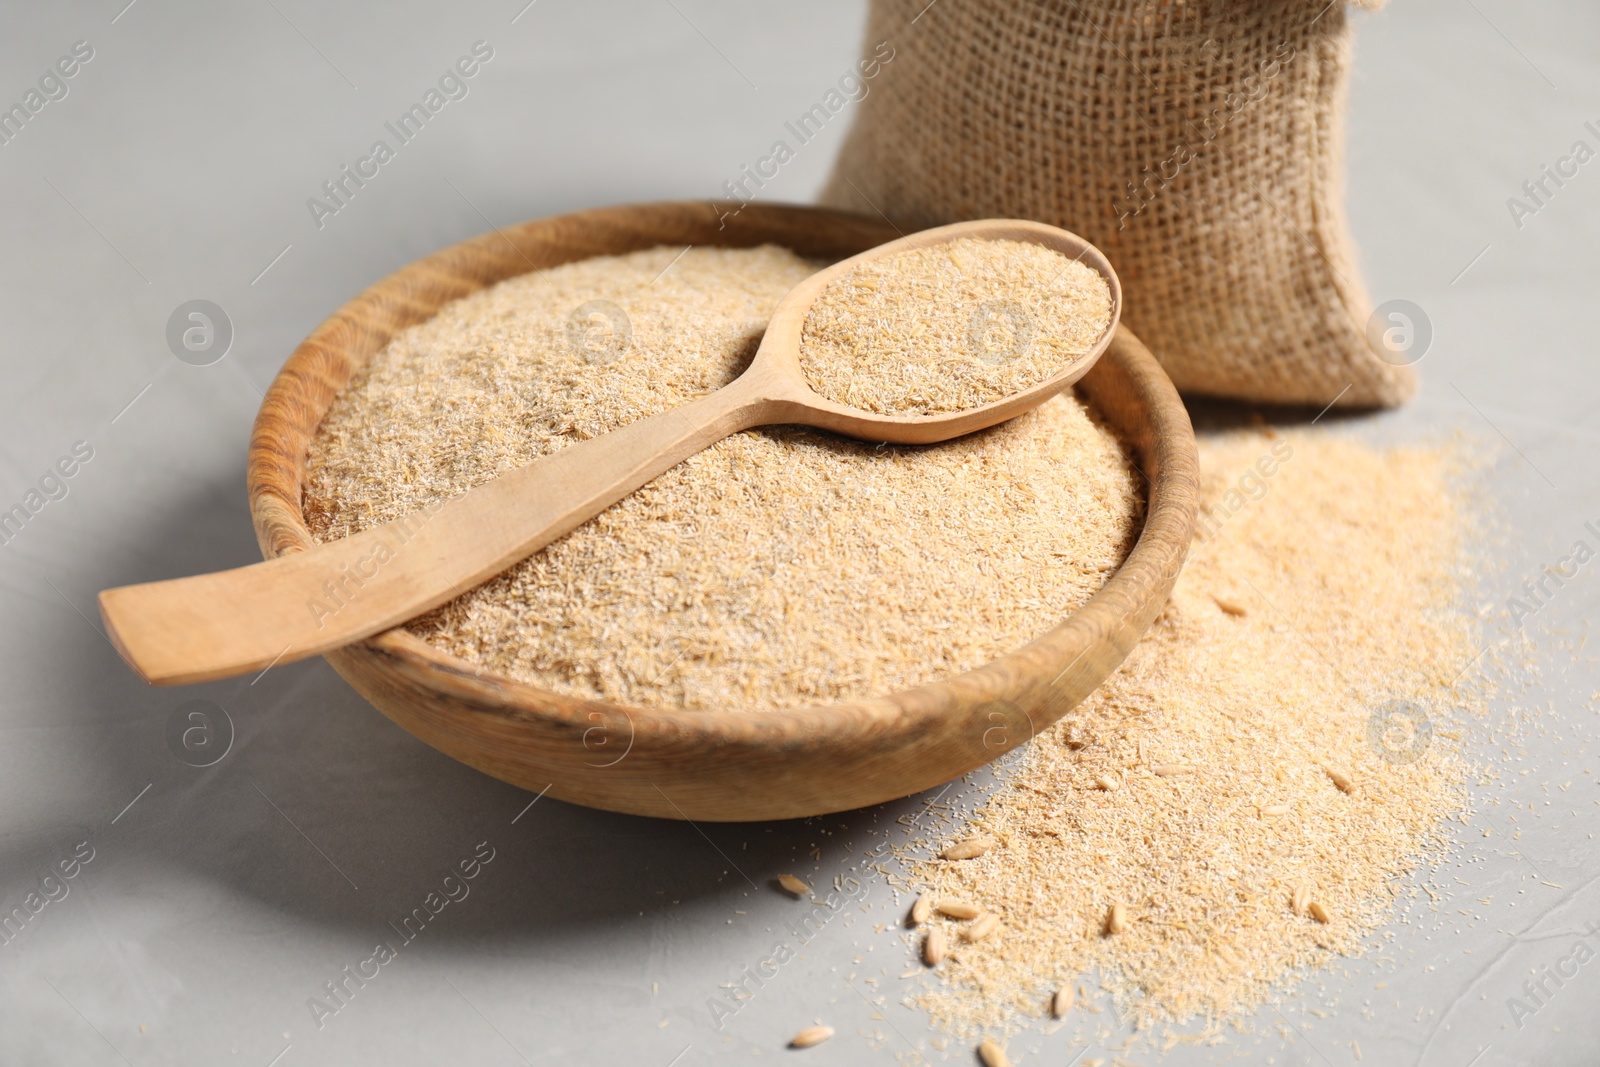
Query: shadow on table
[[322, 809], [1215, 415]]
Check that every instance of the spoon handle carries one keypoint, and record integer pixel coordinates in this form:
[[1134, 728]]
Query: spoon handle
[[248, 619]]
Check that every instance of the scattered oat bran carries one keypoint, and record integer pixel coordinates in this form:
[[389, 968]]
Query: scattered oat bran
[[777, 568], [1353, 562], [951, 326]]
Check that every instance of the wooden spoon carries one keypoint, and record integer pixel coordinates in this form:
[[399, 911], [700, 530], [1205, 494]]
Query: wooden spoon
[[231, 622]]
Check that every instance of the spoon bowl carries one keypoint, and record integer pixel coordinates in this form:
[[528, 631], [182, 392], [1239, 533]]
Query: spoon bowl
[[777, 360]]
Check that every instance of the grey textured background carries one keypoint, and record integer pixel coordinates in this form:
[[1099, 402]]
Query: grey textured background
[[219, 900]]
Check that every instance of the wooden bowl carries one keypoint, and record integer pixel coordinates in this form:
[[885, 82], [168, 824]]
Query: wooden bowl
[[719, 765]]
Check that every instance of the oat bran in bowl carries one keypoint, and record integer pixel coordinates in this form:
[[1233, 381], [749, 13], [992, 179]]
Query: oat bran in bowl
[[718, 754]]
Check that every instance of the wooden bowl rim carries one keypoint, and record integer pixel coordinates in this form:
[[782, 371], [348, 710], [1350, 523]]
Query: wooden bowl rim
[[281, 528]]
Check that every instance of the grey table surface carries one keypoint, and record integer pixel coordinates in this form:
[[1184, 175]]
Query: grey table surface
[[209, 906]]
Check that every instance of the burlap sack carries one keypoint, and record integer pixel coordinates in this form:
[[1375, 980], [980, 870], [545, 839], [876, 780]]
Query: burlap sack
[[1199, 144]]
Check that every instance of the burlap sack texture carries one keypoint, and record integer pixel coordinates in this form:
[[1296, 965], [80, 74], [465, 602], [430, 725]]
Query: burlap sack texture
[[1199, 143]]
